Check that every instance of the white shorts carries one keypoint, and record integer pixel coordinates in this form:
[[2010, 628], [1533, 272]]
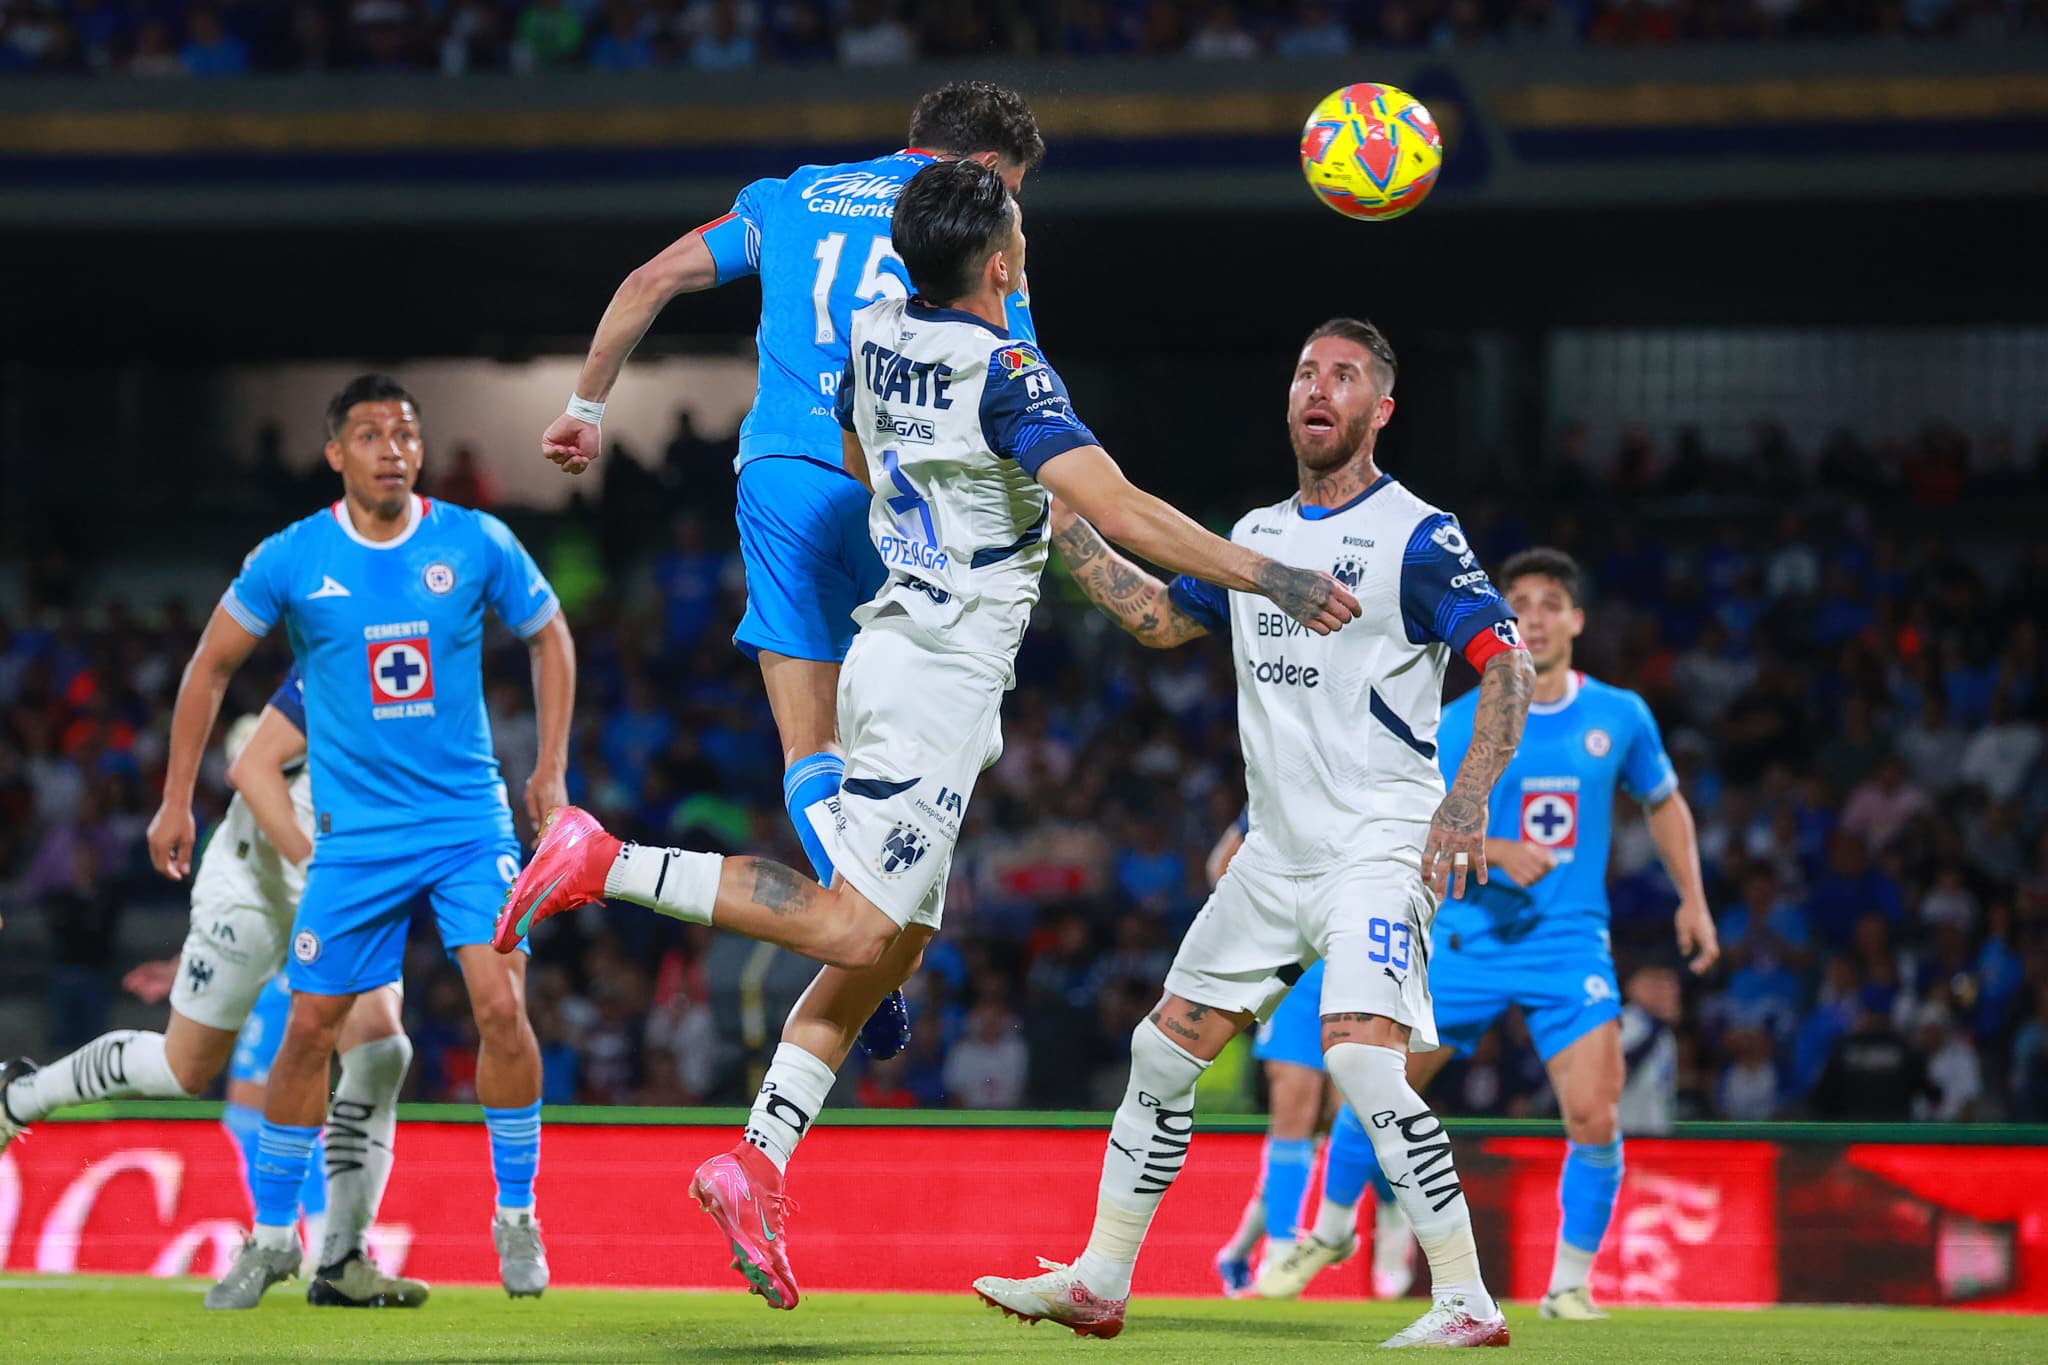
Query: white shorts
[[1369, 922], [231, 951], [918, 727]]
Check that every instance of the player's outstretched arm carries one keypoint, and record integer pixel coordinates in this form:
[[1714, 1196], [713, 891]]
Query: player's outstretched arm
[[1678, 846], [685, 266], [1091, 483], [1460, 823], [258, 774], [853, 457], [223, 647], [552, 650], [1125, 593]]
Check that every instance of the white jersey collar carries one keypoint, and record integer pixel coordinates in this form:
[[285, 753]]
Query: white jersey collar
[[1571, 694], [348, 527]]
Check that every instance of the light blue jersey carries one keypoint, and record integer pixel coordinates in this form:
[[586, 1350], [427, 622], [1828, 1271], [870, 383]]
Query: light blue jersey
[[406, 792], [819, 240], [389, 639], [1546, 947]]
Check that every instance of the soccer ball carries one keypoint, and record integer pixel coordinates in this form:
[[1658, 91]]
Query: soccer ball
[[1371, 151]]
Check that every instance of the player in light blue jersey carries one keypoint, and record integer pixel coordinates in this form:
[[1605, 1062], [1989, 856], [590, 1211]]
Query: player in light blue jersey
[[1536, 934], [819, 239], [383, 595]]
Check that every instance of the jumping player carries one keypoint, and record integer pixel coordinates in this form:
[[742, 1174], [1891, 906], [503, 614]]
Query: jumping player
[[1537, 936], [1344, 860], [228, 1006], [819, 240], [959, 429], [384, 595]]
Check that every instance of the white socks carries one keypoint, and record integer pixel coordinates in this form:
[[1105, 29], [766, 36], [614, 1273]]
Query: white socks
[[791, 1095], [362, 1125], [1148, 1145], [671, 881], [112, 1066], [1571, 1269], [1415, 1154], [1251, 1226], [1334, 1223]]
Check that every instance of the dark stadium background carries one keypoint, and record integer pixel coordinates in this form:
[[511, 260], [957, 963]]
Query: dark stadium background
[[1894, 192]]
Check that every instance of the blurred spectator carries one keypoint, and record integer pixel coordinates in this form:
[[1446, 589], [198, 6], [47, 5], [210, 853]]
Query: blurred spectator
[[725, 44], [81, 913], [1222, 37], [1873, 1073], [987, 1068], [1317, 33], [154, 55], [1649, 1044], [1748, 1088], [465, 484], [1955, 1079], [1880, 806], [1999, 756], [210, 50], [549, 34], [874, 36], [625, 44]]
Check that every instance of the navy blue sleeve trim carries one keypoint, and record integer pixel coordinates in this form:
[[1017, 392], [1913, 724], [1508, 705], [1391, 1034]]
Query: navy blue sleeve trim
[[1445, 595], [842, 402], [1202, 600], [984, 558], [1384, 714]]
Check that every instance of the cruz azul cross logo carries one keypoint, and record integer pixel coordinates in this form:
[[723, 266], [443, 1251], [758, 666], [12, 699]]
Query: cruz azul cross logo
[[401, 670], [1551, 818]]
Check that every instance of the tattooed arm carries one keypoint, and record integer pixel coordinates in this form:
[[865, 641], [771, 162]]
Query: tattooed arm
[[1460, 823], [1126, 594], [1092, 484]]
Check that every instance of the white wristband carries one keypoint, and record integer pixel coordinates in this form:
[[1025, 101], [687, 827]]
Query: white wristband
[[583, 410]]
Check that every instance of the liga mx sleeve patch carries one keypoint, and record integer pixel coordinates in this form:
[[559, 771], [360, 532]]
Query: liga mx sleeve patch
[[401, 671]]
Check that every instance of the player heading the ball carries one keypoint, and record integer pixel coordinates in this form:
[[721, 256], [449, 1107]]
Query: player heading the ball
[[960, 430]]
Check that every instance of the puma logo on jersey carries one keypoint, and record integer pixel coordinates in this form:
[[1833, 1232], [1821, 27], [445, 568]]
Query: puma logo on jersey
[[328, 588]]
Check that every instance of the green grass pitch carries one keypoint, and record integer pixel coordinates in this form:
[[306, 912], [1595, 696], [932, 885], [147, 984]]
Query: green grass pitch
[[81, 1319]]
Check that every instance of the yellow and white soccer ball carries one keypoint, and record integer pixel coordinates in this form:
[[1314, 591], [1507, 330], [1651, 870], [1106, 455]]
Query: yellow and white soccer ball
[[1371, 151]]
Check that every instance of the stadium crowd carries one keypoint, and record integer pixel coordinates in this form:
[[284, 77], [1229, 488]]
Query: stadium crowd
[[1855, 703], [225, 38]]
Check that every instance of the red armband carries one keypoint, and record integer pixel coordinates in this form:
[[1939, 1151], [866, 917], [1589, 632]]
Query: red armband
[[1498, 638]]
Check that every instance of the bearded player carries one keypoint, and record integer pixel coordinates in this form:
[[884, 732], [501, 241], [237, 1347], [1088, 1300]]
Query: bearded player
[[1353, 837], [819, 240], [958, 516], [1537, 936]]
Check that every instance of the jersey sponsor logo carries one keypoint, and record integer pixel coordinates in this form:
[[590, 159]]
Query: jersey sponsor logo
[[910, 430], [1597, 989], [439, 578], [1452, 542], [852, 194], [1262, 530], [903, 849], [1276, 625], [1466, 580], [1019, 358], [328, 588], [1280, 673], [895, 378], [1358, 541], [1350, 571], [1599, 743], [401, 678], [1038, 385], [306, 946], [1551, 818]]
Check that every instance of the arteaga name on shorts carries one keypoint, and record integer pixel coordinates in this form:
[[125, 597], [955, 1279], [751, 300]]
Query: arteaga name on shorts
[[402, 710], [399, 630], [911, 554]]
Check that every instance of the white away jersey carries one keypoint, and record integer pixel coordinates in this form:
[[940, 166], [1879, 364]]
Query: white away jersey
[[1339, 731], [955, 419], [242, 867]]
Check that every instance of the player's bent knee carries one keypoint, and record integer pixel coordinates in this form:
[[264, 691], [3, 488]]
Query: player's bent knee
[[1595, 1125]]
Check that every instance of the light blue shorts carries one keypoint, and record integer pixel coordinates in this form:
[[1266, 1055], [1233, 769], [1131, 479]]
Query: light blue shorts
[[349, 935], [257, 1043], [804, 540], [1561, 974]]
